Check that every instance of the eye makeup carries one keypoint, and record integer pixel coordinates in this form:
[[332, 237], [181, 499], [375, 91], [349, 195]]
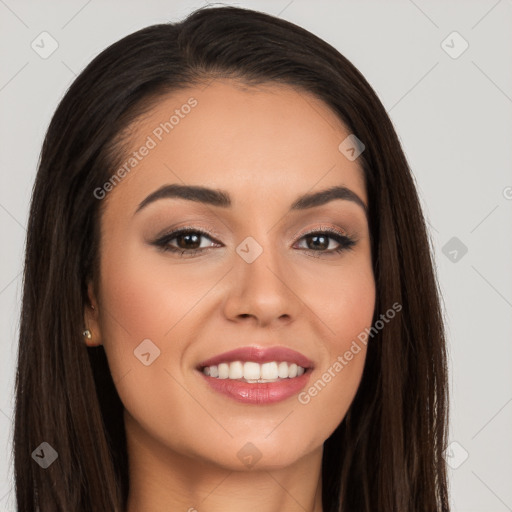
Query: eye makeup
[[192, 235]]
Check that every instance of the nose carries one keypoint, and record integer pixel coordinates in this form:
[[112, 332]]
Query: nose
[[262, 291]]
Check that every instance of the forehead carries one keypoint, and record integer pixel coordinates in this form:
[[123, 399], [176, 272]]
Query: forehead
[[270, 141]]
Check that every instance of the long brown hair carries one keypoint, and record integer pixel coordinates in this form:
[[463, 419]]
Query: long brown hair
[[387, 453]]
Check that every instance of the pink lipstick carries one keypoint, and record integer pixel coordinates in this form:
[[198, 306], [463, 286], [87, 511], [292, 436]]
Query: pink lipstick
[[256, 375]]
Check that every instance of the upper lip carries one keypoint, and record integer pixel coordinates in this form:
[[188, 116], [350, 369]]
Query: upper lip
[[259, 355]]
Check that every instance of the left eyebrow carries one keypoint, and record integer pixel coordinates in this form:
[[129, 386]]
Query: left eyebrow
[[221, 198]]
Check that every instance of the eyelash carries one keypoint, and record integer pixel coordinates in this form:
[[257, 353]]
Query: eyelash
[[346, 242]]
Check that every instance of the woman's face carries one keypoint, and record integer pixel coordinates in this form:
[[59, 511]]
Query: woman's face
[[248, 276]]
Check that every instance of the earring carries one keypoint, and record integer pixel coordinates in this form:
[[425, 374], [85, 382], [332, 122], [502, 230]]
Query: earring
[[87, 334]]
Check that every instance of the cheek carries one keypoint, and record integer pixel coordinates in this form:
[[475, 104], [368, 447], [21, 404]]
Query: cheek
[[137, 304], [345, 303], [145, 297], [142, 299]]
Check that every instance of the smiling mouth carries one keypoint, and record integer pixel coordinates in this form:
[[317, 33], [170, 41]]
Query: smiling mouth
[[257, 375], [253, 372]]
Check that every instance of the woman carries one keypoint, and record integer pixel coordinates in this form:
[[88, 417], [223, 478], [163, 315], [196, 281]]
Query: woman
[[229, 297]]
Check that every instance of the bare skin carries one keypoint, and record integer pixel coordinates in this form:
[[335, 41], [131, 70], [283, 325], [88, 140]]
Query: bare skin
[[264, 146]]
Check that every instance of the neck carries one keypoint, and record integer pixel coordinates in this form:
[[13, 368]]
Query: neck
[[163, 479]]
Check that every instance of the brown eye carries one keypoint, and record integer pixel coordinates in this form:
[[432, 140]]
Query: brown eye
[[185, 241], [319, 242], [188, 241]]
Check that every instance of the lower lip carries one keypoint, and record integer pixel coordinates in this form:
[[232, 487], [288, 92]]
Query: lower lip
[[258, 393]]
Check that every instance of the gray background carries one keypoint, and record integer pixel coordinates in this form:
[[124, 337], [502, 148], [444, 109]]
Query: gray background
[[453, 116]]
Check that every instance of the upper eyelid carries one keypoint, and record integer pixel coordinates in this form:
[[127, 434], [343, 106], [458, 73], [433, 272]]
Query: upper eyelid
[[185, 229]]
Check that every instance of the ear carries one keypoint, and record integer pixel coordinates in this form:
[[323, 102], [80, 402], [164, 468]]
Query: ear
[[91, 318]]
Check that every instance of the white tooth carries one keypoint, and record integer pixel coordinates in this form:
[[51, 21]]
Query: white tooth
[[223, 371], [282, 370], [251, 371], [236, 370], [254, 372], [269, 370]]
